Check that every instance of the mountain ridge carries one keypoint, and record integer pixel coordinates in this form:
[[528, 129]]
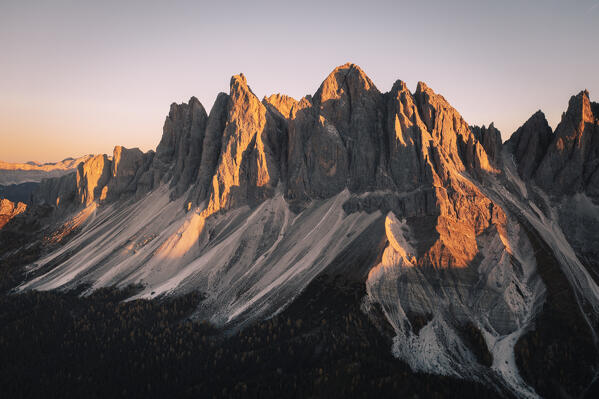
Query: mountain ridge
[[250, 203]]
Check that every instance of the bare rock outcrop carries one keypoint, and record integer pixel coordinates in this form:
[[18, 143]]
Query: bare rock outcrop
[[317, 158], [179, 153], [249, 168], [281, 103], [9, 210], [529, 144], [124, 168], [92, 179], [490, 139], [450, 132], [217, 120], [572, 159], [409, 165], [351, 103]]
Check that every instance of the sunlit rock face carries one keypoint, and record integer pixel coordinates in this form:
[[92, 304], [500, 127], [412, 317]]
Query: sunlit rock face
[[211, 147], [9, 210], [249, 167], [92, 178]]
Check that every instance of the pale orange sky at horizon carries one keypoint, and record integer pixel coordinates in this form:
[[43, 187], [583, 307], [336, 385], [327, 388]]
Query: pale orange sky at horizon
[[81, 77]]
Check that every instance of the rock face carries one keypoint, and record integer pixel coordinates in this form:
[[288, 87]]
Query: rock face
[[179, 153], [9, 210], [92, 178], [249, 168], [349, 101], [409, 161], [529, 144], [59, 192], [125, 167], [211, 147], [490, 138], [565, 162], [570, 164]]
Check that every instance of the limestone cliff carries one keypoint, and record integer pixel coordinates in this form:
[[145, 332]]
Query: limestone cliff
[[529, 143], [572, 159], [9, 210]]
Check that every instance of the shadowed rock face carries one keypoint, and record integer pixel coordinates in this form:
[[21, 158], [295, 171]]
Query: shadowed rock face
[[490, 139], [565, 162], [571, 161], [529, 144], [179, 153], [124, 168], [349, 101]]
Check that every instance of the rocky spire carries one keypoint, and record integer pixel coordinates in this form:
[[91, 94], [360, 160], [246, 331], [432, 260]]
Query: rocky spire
[[281, 103], [349, 101], [490, 139], [570, 164], [211, 147], [92, 179], [529, 143], [179, 153], [407, 155], [126, 164], [450, 132], [248, 169]]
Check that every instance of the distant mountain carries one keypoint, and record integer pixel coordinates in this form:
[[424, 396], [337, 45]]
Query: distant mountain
[[17, 173], [480, 257]]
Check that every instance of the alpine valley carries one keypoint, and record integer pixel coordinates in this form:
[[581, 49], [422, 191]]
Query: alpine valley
[[351, 243]]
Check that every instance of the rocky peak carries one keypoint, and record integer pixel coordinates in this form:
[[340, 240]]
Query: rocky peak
[[92, 178], [249, 167], [178, 155], [126, 164], [529, 144], [450, 132], [407, 155], [490, 139], [9, 210], [281, 103], [570, 164], [211, 147], [347, 79], [350, 102]]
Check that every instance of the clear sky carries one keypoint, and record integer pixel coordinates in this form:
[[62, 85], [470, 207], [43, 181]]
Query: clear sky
[[79, 77]]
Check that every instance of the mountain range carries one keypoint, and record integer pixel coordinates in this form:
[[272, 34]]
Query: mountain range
[[480, 257]]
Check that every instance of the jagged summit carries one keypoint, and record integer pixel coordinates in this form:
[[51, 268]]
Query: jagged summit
[[346, 79], [569, 164], [281, 103], [529, 144]]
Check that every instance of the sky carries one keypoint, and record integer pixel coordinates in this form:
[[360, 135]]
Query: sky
[[79, 77]]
